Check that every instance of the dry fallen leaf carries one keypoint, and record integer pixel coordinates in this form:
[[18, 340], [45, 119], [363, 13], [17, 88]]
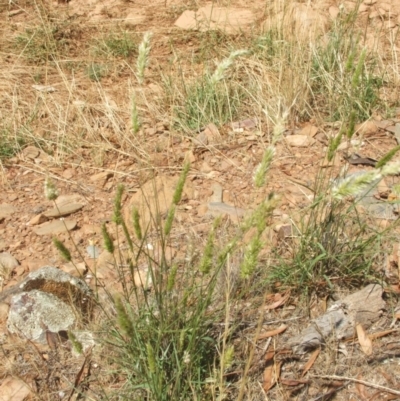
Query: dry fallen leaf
[[270, 355], [361, 389], [364, 340], [293, 382], [279, 302], [378, 396], [272, 333], [13, 389], [271, 375], [380, 334], [311, 361]]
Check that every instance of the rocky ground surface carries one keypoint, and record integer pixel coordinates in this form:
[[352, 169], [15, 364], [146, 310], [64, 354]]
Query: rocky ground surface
[[222, 159]]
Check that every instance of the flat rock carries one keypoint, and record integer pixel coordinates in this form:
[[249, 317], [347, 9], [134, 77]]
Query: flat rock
[[13, 389], [64, 210], [227, 19], [216, 209], [249, 124], [55, 227], [366, 128], [63, 200], [383, 124], [304, 21], [101, 178], [299, 141], [309, 130], [135, 17], [44, 88], [154, 199], [6, 210], [201, 139], [364, 306]]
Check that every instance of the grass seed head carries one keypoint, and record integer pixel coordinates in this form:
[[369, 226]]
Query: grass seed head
[[50, 190], [143, 56]]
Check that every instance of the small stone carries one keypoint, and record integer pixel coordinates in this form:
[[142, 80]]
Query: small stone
[[363, 8], [333, 12], [74, 269], [150, 131], [387, 7], [190, 157], [248, 124], [201, 139], [69, 173], [7, 264], [68, 199], [285, 231], [101, 178], [343, 146], [56, 227], [6, 210], [309, 130], [93, 251], [135, 17], [390, 24], [91, 229], [216, 209], [142, 278], [366, 128], [162, 126], [383, 124], [212, 133], [44, 88], [64, 210], [30, 152], [202, 210], [38, 219], [391, 128], [205, 168], [19, 270], [300, 141]]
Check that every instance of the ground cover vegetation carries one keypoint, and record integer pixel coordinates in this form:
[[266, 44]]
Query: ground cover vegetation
[[179, 335]]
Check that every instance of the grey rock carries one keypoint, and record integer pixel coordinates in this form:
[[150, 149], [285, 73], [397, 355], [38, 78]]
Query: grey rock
[[364, 306], [67, 288], [48, 300], [34, 313]]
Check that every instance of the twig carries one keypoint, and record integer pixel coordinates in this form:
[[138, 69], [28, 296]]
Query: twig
[[365, 383]]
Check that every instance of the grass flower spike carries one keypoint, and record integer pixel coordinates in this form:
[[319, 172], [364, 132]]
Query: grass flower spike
[[224, 65], [143, 57], [262, 169], [354, 184], [50, 190], [390, 169]]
